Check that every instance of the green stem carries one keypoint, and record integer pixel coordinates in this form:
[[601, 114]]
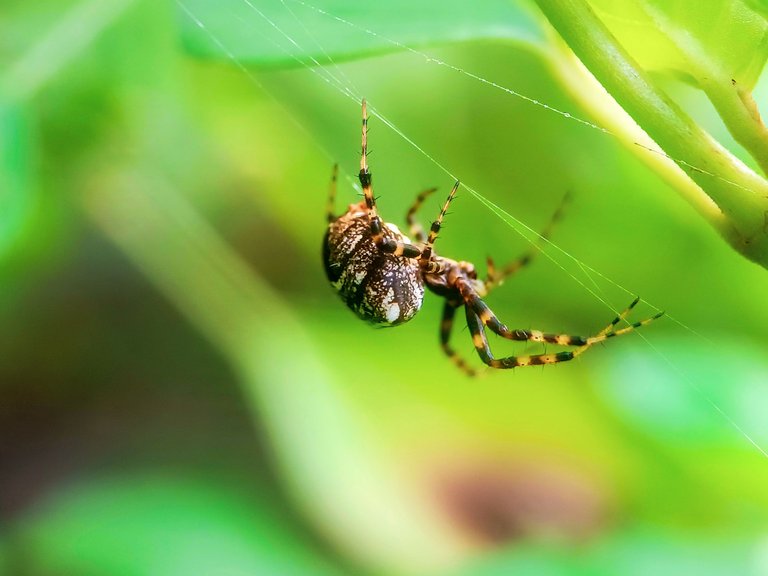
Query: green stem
[[734, 104], [739, 112], [739, 193], [587, 91]]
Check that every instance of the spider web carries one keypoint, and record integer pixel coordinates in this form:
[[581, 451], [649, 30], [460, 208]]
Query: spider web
[[333, 75]]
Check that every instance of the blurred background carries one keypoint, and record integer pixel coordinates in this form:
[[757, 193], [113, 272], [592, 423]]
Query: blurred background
[[181, 392]]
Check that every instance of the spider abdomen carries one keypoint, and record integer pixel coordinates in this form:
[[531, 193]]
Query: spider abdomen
[[379, 287]]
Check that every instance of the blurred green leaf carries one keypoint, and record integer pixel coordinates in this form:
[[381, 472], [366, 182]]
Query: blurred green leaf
[[638, 553], [278, 33], [690, 402], [17, 183], [14, 175], [160, 525], [718, 38]]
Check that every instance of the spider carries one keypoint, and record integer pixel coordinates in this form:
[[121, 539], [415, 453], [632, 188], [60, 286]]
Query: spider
[[381, 276]]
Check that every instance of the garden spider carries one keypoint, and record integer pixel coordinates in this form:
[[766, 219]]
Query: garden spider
[[381, 276]]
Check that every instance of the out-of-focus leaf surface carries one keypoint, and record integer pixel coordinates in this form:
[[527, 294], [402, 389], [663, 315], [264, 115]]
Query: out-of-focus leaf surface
[[636, 553], [650, 395], [160, 524], [722, 38], [760, 6], [255, 32], [16, 186]]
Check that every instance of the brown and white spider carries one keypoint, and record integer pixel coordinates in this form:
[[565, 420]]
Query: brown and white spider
[[381, 276]]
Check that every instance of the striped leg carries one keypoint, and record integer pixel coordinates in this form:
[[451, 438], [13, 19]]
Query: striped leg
[[414, 227], [332, 194], [377, 227], [366, 182], [496, 277], [489, 319], [610, 330], [365, 174], [434, 229], [480, 341], [409, 250], [449, 311]]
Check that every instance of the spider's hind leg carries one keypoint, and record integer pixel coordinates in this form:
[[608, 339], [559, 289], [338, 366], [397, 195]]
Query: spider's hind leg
[[446, 325]]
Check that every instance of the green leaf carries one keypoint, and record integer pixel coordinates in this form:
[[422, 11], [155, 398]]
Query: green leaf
[[723, 39], [146, 524], [279, 33]]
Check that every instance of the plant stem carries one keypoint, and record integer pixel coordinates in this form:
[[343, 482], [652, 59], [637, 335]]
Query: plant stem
[[588, 92], [735, 104], [740, 194], [739, 112]]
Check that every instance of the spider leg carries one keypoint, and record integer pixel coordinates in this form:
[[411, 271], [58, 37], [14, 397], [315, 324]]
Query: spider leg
[[386, 245], [446, 324], [414, 226], [332, 194], [496, 277], [377, 233], [377, 228], [489, 319], [480, 340], [424, 254], [609, 331], [365, 174], [434, 229]]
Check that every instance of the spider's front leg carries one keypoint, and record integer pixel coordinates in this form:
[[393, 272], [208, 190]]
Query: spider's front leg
[[480, 340], [479, 316]]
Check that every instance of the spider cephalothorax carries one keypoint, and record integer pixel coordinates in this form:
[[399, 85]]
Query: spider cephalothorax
[[381, 276]]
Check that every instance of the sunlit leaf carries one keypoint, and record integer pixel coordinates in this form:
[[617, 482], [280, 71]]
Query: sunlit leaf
[[292, 31]]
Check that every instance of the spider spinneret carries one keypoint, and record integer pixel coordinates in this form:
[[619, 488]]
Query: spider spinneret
[[381, 276]]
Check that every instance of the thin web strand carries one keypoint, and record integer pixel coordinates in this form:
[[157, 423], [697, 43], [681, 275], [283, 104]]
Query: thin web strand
[[252, 77], [337, 68]]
